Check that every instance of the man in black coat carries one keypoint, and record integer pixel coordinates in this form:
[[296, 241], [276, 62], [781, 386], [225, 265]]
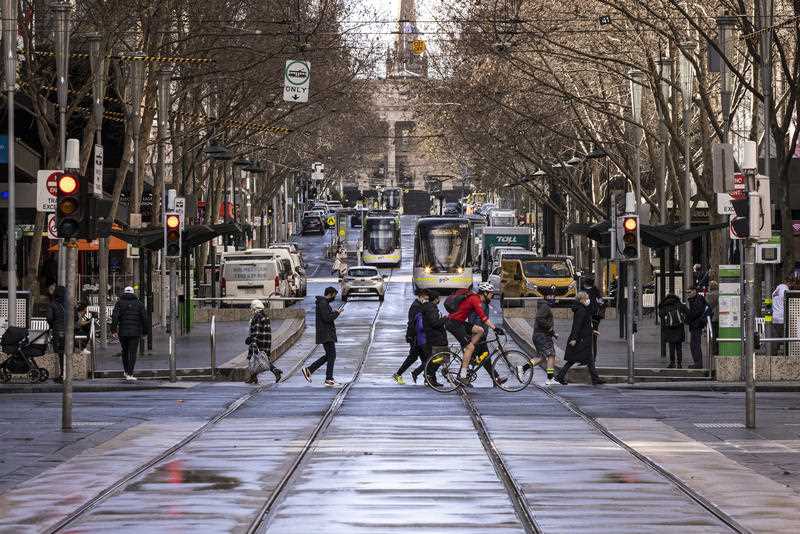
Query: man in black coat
[[56, 322], [672, 316], [129, 320], [598, 307], [325, 335], [696, 318], [579, 343], [415, 345], [435, 334]]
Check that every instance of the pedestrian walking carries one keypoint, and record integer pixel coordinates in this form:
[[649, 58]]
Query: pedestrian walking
[[579, 343], [700, 277], [129, 322], [696, 318], [778, 313], [415, 335], [597, 306], [340, 262], [56, 322], [672, 314], [435, 335], [325, 335], [259, 341], [543, 336]]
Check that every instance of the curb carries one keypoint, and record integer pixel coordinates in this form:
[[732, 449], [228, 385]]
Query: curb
[[714, 387], [235, 369], [90, 386]]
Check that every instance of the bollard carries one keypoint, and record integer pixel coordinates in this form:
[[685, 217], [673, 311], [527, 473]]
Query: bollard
[[92, 347], [213, 342]]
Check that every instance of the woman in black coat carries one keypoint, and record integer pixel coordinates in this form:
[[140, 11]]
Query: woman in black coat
[[579, 343], [672, 314]]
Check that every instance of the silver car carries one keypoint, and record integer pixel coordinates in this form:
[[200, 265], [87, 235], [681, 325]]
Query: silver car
[[362, 281]]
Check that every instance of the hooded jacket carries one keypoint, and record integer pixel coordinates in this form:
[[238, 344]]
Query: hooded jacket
[[435, 333], [326, 322], [129, 318]]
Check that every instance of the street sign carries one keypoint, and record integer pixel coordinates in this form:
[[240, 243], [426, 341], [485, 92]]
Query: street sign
[[180, 205], [418, 47], [52, 233], [296, 80], [46, 189], [317, 176], [98, 171], [318, 167], [331, 221], [739, 181], [724, 206]]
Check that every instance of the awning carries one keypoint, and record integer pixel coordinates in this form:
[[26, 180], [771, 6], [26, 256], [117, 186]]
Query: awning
[[93, 246], [653, 236], [193, 236]]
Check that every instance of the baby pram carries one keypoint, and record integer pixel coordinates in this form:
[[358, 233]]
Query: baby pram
[[21, 355]]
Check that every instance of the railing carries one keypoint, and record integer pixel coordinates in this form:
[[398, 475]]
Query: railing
[[212, 338]]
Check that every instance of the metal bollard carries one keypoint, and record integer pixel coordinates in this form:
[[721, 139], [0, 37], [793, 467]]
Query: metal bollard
[[92, 347], [213, 342]]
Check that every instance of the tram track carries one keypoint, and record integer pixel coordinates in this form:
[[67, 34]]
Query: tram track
[[264, 514], [118, 485], [676, 482]]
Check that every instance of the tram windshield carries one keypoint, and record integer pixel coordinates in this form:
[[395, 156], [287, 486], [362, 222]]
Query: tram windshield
[[443, 246], [381, 236]]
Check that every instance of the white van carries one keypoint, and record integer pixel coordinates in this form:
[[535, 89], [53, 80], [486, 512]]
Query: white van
[[251, 274], [300, 282]]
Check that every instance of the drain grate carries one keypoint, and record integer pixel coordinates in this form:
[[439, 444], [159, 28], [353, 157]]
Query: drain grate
[[719, 425]]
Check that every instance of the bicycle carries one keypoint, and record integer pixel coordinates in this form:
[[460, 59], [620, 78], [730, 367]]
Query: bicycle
[[508, 365]]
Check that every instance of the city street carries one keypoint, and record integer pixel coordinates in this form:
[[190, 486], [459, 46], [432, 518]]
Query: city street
[[377, 457]]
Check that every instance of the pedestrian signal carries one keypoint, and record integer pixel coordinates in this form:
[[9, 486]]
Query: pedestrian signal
[[628, 237], [741, 201], [173, 235], [69, 207]]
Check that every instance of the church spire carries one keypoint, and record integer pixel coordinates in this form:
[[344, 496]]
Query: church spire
[[403, 62]]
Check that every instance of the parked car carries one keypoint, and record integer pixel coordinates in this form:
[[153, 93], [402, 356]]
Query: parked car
[[291, 270], [495, 278], [312, 224], [363, 280], [299, 281]]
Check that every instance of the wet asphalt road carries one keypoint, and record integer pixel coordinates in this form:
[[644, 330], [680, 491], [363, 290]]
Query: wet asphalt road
[[393, 459]]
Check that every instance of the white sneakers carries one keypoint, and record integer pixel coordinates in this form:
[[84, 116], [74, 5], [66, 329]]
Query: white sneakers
[[130, 378]]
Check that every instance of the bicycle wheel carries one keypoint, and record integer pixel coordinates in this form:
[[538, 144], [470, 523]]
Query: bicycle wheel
[[443, 367], [511, 366]]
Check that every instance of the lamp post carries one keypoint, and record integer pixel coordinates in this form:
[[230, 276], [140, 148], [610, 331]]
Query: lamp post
[[636, 76], [61, 11], [664, 64], [687, 88], [164, 76], [137, 87], [10, 54]]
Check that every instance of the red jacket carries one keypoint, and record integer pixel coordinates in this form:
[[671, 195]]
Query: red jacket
[[471, 303]]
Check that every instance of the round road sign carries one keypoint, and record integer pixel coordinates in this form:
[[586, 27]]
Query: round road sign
[[52, 183], [418, 46], [51, 227], [297, 73]]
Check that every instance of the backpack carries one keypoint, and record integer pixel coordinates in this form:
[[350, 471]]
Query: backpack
[[422, 340], [673, 316], [452, 302]]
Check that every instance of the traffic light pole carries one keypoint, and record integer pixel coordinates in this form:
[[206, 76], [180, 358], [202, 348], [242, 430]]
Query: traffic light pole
[[749, 330], [71, 251], [629, 319], [172, 288]]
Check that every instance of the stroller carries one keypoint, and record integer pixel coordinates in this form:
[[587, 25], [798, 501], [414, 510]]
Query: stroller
[[21, 355]]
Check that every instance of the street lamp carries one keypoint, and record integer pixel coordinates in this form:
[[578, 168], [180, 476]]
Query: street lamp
[[665, 88], [725, 25], [687, 87], [635, 77]]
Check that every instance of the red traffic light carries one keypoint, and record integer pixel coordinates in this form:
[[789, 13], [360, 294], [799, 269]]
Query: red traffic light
[[173, 221], [67, 184]]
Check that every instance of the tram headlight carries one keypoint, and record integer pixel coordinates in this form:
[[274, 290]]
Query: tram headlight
[[460, 270], [427, 269]]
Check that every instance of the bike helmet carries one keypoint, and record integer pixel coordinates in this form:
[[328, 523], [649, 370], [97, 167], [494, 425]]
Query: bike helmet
[[485, 287]]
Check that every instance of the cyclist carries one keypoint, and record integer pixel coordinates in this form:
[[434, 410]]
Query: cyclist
[[482, 348], [467, 334]]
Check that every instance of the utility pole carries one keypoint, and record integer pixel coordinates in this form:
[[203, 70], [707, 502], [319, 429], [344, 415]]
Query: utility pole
[[163, 110], [636, 77], [137, 83], [71, 163], [62, 11], [98, 90], [10, 53], [687, 87]]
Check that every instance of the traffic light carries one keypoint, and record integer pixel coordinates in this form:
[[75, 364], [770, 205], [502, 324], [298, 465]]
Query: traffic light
[[173, 235], [69, 206], [741, 201], [628, 237]]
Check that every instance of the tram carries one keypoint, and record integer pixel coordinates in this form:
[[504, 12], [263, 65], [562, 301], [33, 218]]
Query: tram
[[392, 199], [381, 238], [443, 253]]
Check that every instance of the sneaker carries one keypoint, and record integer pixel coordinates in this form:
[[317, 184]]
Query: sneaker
[[549, 382], [399, 379], [598, 382], [86, 352], [521, 372], [307, 374], [562, 381], [501, 380], [332, 384], [278, 374], [131, 378]]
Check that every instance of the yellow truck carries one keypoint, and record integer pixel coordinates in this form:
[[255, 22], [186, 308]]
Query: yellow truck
[[528, 275]]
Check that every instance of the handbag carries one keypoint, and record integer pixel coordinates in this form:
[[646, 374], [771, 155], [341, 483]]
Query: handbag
[[259, 362]]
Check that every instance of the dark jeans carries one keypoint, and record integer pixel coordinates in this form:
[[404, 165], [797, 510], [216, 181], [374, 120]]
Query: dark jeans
[[675, 349], [414, 353], [695, 339], [595, 335], [329, 359], [130, 347], [562, 374]]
